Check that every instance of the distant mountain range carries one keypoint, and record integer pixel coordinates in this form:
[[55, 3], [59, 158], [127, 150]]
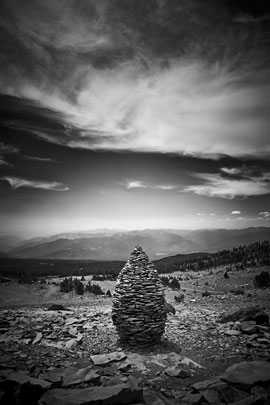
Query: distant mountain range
[[116, 245]]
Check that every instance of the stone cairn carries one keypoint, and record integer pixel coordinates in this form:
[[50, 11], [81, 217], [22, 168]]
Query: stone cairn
[[138, 311]]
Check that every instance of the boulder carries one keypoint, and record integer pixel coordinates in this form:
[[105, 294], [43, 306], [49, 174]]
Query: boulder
[[246, 375], [254, 313]]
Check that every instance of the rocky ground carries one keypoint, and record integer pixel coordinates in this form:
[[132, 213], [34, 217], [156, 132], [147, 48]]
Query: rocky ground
[[73, 355]]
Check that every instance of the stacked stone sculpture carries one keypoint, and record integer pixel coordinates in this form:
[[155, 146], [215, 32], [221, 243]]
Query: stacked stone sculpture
[[139, 311]]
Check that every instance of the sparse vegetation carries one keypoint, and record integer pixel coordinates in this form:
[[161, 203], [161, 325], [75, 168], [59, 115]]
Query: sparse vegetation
[[93, 288], [70, 284], [79, 288], [170, 282]]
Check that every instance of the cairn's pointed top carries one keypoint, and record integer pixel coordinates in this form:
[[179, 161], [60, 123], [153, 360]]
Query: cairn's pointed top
[[138, 250]]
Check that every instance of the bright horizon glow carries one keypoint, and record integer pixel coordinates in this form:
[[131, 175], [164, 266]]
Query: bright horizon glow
[[191, 222]]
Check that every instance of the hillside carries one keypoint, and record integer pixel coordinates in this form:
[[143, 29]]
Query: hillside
[[114, 245]]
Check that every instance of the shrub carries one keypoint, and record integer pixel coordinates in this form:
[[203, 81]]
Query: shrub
[[66, 285], [239, 291], [174, 284], [79, 288], [262, 280], [94, 289], [108, 293], [206, 294], [179, 298], [165, 281]]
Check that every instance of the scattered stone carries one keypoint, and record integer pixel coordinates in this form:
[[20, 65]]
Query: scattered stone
[[246, 375], [232, 332], [103, 359], [78, 376], [194, 399], [138, 311], [177, 372], [71, 344], [248, 327], [22, 378], [114, 394], [37, 338], [203, 385]]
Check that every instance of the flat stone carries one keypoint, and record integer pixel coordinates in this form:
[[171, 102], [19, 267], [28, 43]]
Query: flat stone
[[203, 385], [37, 338], [54, 375], [194, 399], [22, 378], [245, 375], [232, 332], [78, 376], [103, 359], [115, 394], [248, 327], [71, 321], [212, 396], [245, 401], [71, 344], [177, 372]]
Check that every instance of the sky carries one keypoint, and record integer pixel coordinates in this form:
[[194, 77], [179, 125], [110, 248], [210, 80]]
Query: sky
[[130, 114]]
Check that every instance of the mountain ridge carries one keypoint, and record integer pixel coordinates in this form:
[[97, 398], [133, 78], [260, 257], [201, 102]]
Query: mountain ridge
[[113, 245]]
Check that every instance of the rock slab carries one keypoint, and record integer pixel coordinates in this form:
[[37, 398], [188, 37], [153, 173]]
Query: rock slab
[[246, 375], [116, 394]]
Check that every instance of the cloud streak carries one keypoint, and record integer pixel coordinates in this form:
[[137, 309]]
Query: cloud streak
[[218, 186], [38, 159], [138, 184], [16, 182]]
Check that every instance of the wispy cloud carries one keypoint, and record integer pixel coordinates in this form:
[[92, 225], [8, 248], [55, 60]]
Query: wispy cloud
[[16, 182], [236, 213], [266, 214], [184, 109], [140, 184], [6, 148], [135, 184], [218, 186], [39, 159], [244, 171], [3, 162]]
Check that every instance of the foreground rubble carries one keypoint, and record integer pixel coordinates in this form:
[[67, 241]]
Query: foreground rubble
[[73, 356]]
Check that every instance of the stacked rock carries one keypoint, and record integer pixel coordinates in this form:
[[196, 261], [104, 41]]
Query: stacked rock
[[138, 311]]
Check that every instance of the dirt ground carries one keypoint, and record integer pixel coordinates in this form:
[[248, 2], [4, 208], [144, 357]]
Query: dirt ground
[[192, 284]]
